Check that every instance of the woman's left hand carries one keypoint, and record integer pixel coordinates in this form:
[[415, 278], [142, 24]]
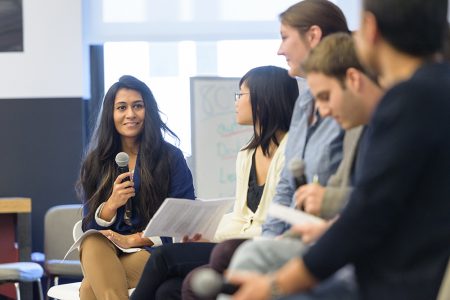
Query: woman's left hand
[[121, 240]]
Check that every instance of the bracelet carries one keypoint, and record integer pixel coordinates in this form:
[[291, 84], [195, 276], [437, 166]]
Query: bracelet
[[275, 290]]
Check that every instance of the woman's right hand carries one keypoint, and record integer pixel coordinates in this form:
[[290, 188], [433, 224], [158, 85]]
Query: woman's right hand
[[122, 191]]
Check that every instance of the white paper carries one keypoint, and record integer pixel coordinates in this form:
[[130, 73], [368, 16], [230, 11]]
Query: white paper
[[180, 217], [77, 243], [291, 215]]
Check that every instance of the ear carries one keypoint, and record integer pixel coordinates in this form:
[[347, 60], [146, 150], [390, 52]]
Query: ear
[[314, 35], [371, 27], [353, 79]]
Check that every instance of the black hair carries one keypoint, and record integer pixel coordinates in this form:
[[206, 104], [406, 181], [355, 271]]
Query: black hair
[[416, 27], [272, 95], [98, 169]]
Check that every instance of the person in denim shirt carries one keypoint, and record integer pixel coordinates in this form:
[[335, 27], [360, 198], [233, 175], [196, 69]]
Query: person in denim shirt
[[315, 140]]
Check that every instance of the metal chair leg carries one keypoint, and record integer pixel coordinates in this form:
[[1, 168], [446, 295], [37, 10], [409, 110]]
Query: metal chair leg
[[17, 286], [49, 281], [41, 293]]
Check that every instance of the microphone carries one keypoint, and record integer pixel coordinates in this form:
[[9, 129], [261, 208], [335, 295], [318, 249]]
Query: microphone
[[207, 283], [297, 168], [122, 160]]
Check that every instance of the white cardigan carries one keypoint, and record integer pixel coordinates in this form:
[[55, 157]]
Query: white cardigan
[[242, 222]]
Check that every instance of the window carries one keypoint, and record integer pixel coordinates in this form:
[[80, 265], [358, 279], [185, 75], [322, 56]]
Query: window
[[167, 66]]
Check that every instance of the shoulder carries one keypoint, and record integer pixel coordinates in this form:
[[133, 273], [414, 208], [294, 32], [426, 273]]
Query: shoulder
[[284, 141], [431, 82], [425, 95], [280, 151], [172, 156], [244, 155], [173, 151]]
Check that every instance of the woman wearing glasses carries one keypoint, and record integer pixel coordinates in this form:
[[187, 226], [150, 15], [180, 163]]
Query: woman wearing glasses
[[265, 101]]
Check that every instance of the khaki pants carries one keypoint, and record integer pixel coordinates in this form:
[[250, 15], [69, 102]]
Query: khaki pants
[[444, 292], [108, 272]]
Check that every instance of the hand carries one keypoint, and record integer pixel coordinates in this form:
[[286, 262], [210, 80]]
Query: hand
[[123, 241], [311, 231], [122, 191], [309, 197], [196, 238], [252, 285]]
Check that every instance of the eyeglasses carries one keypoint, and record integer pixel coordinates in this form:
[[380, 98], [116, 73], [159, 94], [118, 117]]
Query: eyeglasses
[[237, 96]]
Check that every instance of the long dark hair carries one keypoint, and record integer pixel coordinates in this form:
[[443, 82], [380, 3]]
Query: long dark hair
[[98, 169], [272, 95]]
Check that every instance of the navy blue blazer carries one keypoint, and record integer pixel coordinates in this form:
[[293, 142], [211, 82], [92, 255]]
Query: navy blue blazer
[[181, 186]]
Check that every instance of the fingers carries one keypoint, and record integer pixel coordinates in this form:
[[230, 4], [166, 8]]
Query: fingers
[[115, 237], [309, 198], [301, 195], [251, 285], [300, 228], [310, 231], [310, 206], [122, 177], [197, 237], [238, 278], [109, 234], [123, 190]]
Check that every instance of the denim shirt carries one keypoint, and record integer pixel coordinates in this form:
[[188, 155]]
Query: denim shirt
[[318, 144]]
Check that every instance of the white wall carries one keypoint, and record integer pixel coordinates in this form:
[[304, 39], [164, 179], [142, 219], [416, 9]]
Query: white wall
[[52, 62]]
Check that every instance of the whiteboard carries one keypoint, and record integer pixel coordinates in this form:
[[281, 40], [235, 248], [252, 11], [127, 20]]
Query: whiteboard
[[216, 137]]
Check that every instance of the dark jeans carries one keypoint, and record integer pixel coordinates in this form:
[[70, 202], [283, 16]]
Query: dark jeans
[[168, 265], [219, 261]]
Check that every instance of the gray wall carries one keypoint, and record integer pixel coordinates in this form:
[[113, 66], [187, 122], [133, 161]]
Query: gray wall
[[41, 146]]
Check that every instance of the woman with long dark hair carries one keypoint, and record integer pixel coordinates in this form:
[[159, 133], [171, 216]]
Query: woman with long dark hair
[[265, 101], [120, 207]]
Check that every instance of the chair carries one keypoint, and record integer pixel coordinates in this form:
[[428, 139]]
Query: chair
[[18, 272], [70, 291], [58, 230]]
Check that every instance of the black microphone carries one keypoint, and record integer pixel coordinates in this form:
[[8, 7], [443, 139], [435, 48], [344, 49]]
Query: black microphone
[[297, 168], [207, 283], [122, 160]]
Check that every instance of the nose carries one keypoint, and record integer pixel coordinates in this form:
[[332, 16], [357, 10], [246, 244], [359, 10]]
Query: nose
[[280, 49], [130, 112], [324, 109]]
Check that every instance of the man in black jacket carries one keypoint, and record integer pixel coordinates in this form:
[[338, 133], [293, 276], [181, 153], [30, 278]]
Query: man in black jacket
[[395, 228]]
